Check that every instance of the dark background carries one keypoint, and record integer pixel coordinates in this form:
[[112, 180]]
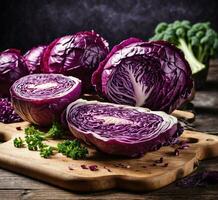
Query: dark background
[[27, 23]]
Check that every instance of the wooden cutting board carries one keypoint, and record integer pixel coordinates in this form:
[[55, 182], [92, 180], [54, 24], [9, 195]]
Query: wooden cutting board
[[139, 174]]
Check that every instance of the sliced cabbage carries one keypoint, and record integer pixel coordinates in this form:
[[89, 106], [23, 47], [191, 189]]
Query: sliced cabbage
[[41, 98], [120, 129], [148, 74]]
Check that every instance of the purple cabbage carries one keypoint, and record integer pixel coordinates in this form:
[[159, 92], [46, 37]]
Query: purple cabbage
[[12, 67], [33, 59], [76, 55], [41, 98], [119, 129], [148, 74], [7, 113]]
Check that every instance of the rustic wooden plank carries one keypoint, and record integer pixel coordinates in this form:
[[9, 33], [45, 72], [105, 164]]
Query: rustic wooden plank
[[10, 180], [49, 192], [113, 195], [11, 194], [214, 62]]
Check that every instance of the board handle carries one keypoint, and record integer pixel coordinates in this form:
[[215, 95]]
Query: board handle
[[206, 144], [8, 131], [184, 115]]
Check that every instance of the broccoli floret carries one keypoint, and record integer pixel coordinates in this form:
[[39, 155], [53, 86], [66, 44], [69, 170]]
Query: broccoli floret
[[204, 41], [161, 27], [198, 42]]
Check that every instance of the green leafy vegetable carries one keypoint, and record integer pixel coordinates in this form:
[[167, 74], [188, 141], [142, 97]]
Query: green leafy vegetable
[[18, 142], [31, 130], [72, 149], [198, 42], [34, 139], [46, 151], [34, 142], [56, 131]]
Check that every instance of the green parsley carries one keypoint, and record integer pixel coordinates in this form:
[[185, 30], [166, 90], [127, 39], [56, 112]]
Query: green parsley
[[72, 149], [18, 142], [35, 138], [46, 151]]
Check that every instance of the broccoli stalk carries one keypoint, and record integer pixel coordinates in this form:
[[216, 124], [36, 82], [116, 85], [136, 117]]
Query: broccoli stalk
[[198, 42], [195, 65]]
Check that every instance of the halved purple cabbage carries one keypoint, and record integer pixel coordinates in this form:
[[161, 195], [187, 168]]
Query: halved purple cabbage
[[119, 129], [148, 74], [12, 67], [77, 55], [33, 59], [41, 98]]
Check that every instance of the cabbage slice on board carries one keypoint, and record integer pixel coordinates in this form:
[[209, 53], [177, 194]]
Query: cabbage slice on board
[[120, 129], [147, 74], [41, 98]]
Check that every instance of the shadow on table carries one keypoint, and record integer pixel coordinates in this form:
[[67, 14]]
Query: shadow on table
[[210, 85], [206, 110]]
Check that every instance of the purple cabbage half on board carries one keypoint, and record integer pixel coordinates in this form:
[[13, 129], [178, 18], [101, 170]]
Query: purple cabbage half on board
[[41, 98], [12, 67], [120, 129], [148, 74], [76, 55], [33, 59]]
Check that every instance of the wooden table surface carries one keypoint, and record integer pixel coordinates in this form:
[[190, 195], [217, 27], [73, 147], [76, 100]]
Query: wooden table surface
[[14, 186]]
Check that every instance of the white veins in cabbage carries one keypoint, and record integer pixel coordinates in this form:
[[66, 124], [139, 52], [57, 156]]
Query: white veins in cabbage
[[140, 90]]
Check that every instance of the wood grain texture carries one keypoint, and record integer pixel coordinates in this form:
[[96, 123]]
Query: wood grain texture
[[139, 174]]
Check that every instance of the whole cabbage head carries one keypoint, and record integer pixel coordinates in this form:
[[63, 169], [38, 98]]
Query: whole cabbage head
[[76, 55], [33, 59], [12, 67], [148, 74]]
